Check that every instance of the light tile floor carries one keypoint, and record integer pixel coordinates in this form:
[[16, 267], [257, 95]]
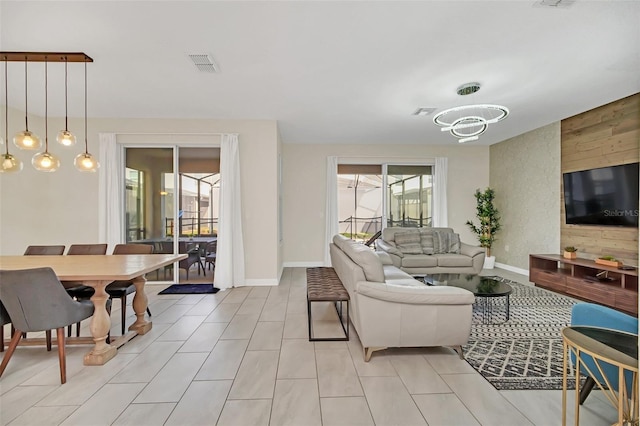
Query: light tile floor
[[242, 357]]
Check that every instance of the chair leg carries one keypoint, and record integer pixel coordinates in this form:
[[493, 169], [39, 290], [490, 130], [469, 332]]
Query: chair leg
[[48, 335], [78, 329], [1, 338], [123, 313], [62, 356], [148, 311], [17, 335], [586, 389]]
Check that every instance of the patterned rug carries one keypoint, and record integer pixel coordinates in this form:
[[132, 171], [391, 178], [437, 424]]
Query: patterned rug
[[526, 351]]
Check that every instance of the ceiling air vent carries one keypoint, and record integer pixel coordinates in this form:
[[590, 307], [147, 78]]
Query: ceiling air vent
[[424, 111], [554, 3], [204, 63]]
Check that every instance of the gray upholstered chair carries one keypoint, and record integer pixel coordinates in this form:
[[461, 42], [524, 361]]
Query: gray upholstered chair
[[76, 289], [120, 289], [36, 301], [4, 319], [55, 250], [44, 250]]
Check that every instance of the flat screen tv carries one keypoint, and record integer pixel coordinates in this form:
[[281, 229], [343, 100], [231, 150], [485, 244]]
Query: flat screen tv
[[606, 196]]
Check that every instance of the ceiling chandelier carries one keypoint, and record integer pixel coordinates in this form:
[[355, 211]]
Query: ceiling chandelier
[[468, 122], [27, 140]]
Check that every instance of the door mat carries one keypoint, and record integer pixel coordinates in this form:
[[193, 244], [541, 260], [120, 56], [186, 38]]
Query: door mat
[[190, 289]]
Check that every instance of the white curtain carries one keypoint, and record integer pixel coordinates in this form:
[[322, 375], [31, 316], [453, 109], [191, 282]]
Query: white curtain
[[440, 193], [110, 190], [331, 227], [230, 256]]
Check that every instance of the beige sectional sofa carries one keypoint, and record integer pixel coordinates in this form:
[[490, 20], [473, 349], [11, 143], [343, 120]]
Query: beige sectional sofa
[[430, 251], [389, 308]]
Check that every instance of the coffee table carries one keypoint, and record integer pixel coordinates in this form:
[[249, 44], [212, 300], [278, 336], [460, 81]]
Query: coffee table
[[485, 289]]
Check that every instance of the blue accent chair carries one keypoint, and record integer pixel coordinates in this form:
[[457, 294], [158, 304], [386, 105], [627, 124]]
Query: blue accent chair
[[590, 314]]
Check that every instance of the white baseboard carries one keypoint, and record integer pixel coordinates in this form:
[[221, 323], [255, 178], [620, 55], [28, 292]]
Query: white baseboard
[[512, 268], [310, 264]]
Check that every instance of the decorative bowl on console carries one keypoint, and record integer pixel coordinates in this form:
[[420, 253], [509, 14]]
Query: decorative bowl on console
[[609, 261]]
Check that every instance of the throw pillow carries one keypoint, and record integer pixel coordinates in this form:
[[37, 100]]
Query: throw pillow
[[408, 242], [446, 242], [454, 243], [426, 240]]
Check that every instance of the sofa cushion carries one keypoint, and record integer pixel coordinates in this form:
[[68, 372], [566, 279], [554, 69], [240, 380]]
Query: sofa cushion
[[419, 261], [365, 258], [446, 242], [454, 260], [340, 241], [426, 240], [409, 242]]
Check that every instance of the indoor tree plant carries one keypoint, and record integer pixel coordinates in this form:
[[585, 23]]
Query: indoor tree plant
[[489, 222]]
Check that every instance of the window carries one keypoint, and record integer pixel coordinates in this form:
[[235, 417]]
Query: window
[[359, 200]]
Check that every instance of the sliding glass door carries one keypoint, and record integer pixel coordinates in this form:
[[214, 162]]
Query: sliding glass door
[[171, 202], [409, 196]]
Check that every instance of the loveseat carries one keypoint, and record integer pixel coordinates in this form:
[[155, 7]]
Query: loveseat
[[430, 251], [389, 308]]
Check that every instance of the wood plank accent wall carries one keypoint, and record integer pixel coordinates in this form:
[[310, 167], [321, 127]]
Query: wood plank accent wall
[[605, 136]]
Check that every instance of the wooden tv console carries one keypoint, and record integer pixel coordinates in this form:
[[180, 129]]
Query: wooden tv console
[[584, 279]]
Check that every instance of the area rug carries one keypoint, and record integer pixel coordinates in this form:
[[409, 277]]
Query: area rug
[[526, 351], [190, 289]]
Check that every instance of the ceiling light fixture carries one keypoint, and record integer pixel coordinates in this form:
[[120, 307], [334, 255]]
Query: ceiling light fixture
[[9, 163], [86, 162], [468, 122], [26, 139], [45, 161], [65, 137]]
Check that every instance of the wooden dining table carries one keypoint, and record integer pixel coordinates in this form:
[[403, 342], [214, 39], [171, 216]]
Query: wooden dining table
[[98, 271]]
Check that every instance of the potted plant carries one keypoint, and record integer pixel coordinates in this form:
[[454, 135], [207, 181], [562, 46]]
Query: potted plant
[[489, 223], [570, 252], [609, 261]]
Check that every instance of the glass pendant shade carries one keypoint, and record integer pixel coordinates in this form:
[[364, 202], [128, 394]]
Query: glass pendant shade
[[10, 164], [45, 162], [27, 140], [86, 162], [66, 138]]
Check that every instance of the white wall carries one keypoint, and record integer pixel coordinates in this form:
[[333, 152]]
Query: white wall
[[305, 187], [61, 207]]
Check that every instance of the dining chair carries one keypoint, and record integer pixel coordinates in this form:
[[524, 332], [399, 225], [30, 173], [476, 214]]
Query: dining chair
[[4, 319], [121, 289], [36, 301], [44, 250], [210, 254], [54, 250], [76, 289]]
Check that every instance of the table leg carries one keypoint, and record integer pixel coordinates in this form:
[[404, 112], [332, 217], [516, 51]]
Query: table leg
[[577, 367], [564, 383], [100, 326], [140, 302]]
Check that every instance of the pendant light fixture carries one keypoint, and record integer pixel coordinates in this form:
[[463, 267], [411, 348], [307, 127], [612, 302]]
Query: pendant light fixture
[[65, 137], [44, 161], [86, 162], [26, 139], [9, 164]]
